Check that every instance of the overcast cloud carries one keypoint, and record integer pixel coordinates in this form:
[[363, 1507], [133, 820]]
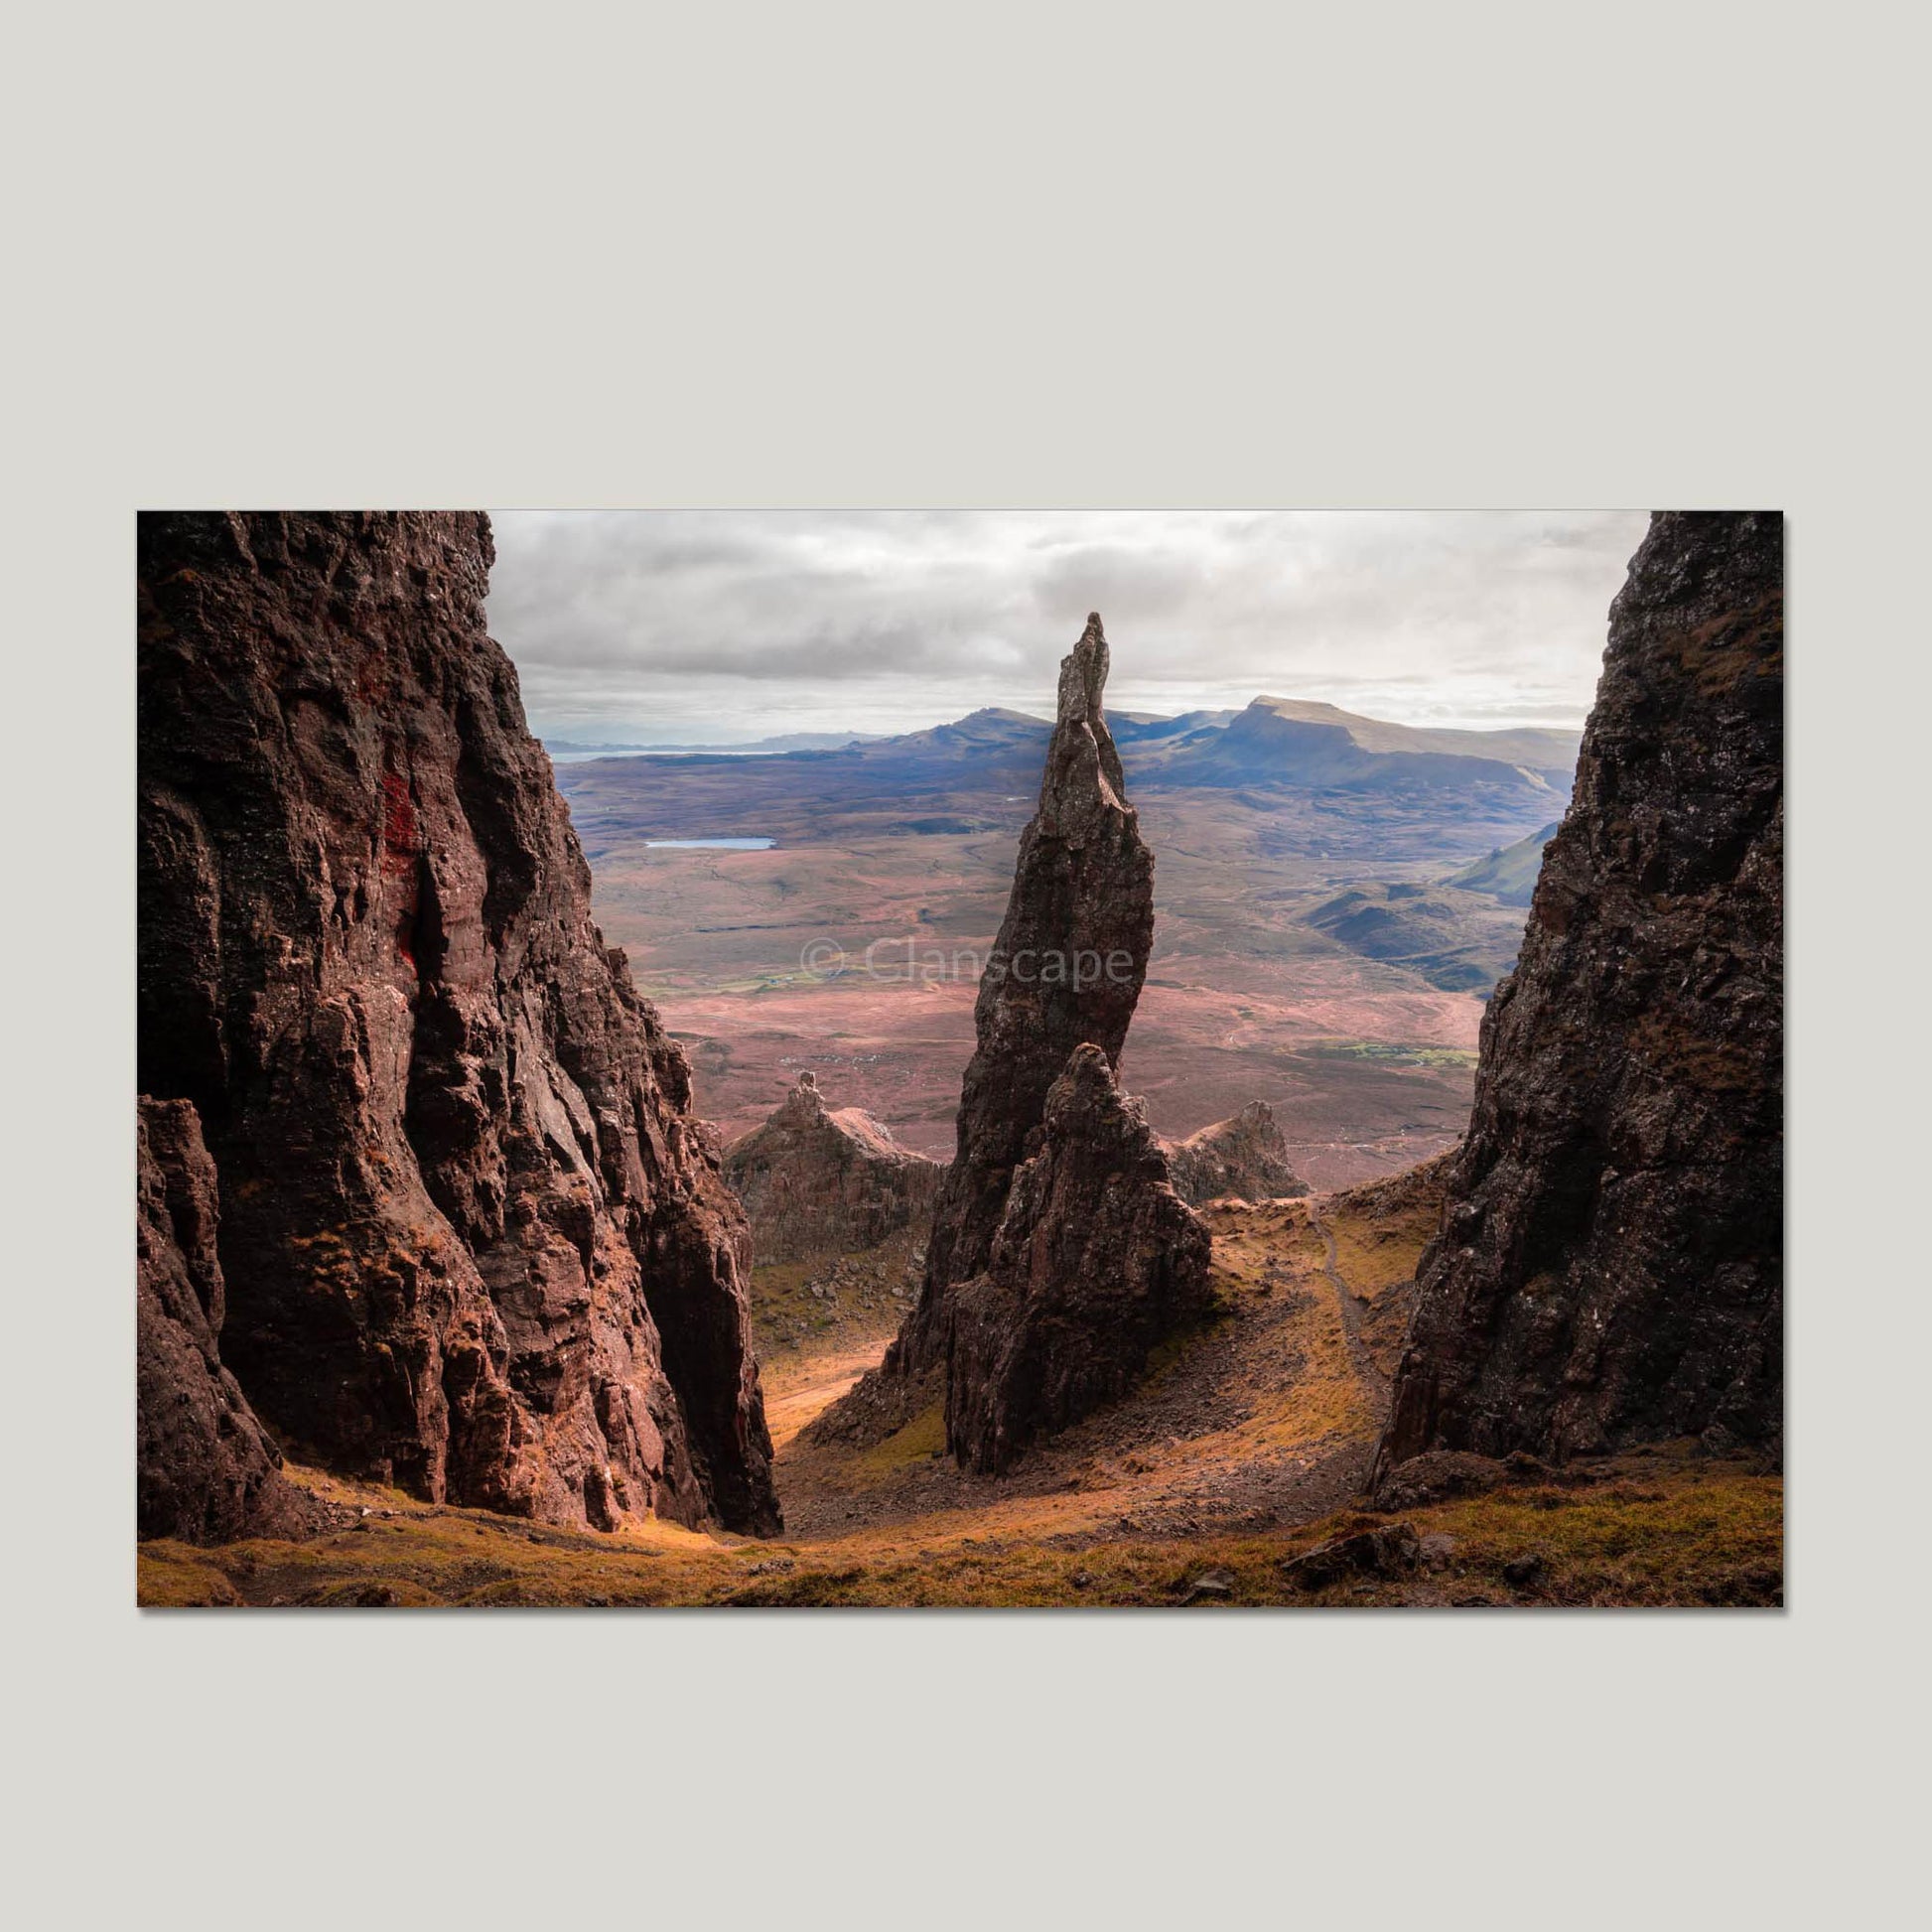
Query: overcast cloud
[[653, 625]]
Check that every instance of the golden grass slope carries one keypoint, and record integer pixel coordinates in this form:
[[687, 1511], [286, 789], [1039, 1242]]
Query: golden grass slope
[[1671, 1529]]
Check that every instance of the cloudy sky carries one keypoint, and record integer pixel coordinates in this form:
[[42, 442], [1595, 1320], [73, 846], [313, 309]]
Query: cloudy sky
[[665, 627]]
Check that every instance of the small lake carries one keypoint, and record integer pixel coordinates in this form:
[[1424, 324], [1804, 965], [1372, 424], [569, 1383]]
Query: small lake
[[713, 845]]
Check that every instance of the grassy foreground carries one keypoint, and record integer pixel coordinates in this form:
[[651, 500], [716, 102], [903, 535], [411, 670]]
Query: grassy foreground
[[1666, 1528]]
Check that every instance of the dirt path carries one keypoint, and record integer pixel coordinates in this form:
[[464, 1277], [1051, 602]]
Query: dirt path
[[1265, 1416], [1351, 1304], [792, 1398]]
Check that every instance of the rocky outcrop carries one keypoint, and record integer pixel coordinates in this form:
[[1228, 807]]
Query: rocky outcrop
[[1095, 1261], [1065, 971], [1245, 1156], [819, 1180], [206, 1470], [474, 1243], [1610, 1262]]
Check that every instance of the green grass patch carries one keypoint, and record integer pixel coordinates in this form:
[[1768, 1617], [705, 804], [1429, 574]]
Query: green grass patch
[[1382, 1052], [917, 1441]]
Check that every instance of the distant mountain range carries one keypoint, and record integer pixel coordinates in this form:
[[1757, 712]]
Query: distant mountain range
[[1275, 742], [1302, 889], [753, 748], [1318, 746]]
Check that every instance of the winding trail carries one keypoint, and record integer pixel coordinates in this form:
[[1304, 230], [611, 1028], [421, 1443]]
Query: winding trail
[[1350, 1304]]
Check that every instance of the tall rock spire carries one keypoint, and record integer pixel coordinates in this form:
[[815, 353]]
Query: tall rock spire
[[1065, 971], [1061, 1252]]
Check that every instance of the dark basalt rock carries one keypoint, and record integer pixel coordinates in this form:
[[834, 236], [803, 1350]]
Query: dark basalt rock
[[1387, 1550], [818, 1180], [1095, 1261], [1059, 1252], [1610, 1264], [206, 1470], [474, 1241], [1066, 970]]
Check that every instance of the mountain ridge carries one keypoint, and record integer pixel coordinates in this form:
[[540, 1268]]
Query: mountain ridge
[[1157, 736]]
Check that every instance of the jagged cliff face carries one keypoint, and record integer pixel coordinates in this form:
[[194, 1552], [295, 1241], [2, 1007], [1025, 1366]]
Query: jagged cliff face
[[1066, 970], [1612, 1259], [474, 1241], [1095, 1260], [206, 1470], [819, 1180], [1245, 1154]]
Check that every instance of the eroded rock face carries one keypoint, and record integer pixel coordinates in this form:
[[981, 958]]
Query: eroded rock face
[[1096, 1259], [1610, 1264], [818, 1181], [206, 1470], [1066, 970], [474, 1241], [1244, 1154]]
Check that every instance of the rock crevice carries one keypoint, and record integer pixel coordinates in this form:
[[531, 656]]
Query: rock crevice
[[206, 1470]]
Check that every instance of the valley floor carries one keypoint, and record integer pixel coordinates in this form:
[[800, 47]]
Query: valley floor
[[1260, 986], [1245, 1449]]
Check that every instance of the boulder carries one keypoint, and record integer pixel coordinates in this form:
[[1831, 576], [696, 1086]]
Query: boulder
[[1387, 1550]]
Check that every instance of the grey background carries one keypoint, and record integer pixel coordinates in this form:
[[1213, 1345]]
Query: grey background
[[1482, 256]]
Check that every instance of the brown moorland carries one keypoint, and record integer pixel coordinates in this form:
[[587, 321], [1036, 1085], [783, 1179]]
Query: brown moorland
[[893, 861]]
